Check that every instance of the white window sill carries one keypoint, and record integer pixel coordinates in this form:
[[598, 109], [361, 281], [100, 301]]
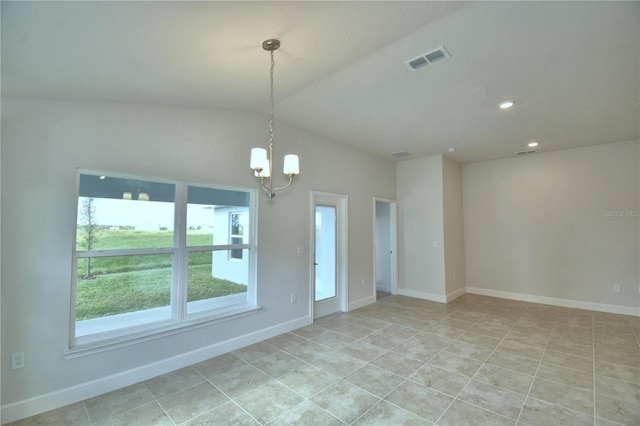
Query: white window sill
[[96, 343]]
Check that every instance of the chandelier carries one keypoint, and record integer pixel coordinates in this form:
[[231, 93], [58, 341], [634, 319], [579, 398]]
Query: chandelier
[[262, 164]]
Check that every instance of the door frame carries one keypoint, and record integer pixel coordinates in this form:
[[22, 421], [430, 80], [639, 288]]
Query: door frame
[[342, 249], [393, 242]]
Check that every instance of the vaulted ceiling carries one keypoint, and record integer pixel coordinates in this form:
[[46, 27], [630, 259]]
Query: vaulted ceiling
[[572, 68]]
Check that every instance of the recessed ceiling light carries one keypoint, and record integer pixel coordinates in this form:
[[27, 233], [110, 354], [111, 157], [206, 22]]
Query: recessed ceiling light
[[532, 144], [507, 104], [452, 149]]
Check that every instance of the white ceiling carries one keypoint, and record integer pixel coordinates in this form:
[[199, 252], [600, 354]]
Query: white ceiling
[[573, 68]]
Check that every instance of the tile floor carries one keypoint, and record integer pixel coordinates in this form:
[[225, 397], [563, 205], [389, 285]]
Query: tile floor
[[477, 360]]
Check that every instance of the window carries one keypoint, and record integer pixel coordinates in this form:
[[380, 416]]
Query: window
[[154, 255]]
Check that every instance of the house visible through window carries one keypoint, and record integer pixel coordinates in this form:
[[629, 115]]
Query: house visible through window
[[153, 254], [235, 234]]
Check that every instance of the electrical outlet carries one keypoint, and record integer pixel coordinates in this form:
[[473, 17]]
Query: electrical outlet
[[17, 360], [616, 288], [294, 297]]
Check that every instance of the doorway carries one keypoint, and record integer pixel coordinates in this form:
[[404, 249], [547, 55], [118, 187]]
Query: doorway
[[329, 254], [385, 247]]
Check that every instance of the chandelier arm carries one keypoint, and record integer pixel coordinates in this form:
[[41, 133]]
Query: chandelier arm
[[286, 186]]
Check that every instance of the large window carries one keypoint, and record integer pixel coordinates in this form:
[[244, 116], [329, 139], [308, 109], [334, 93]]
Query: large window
[[153, 255]]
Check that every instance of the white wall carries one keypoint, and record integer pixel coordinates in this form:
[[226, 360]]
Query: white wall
[[43, 143], [430, 228], [453, 218], [559, 227], [420, 230]]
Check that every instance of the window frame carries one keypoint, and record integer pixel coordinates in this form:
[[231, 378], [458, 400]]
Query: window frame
[[179, 320]]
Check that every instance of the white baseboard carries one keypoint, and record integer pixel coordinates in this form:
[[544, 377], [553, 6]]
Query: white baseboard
[[40, 404], [422, 295], [455, 294], [385, 288], [567, 303], [362, 302]]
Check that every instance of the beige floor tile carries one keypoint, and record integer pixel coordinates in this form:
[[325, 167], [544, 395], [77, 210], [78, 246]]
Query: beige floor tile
[[536, 412], [445, 330], [565, 376], [479, 339], [561, 345], [503, 378], [149, 415], [333, 340], [420, 400], [492, 398], [383, 340], [70, 415], [118, 401], [461, 413], [308, 350], [307, 414], [432, 341], [617, 410], [618, 389], [308, 380], [337, 363], [174, 382], [618, 371], [267, 402], [286, 342], [468, 350], [619, 355], [345, 401], [441, 380], [513, 362], [228, 413], [218, 365], [239, 380], [401, 331], [397, 364], [568, 361], [374, 380], [386, 414], [603, 422], [256, 351], [371, 322], [310, 331], [277, 364], [521, 350], [531, 339], [489, 330], [192, 402], [456, 364], [415, 350], [568, 397], [493, 323], [363, 350], [421, 355], [354, 331]]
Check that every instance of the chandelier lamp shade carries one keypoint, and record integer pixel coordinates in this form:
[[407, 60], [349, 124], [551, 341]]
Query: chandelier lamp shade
[[261, 159]]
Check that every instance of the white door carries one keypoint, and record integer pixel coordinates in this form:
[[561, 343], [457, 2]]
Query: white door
[[329, 253]]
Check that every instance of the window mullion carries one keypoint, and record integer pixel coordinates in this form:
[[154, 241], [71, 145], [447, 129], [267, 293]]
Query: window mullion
[[181, 257]]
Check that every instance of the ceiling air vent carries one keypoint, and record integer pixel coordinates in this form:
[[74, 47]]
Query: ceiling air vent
[[400, 154], [529, 151], [430, 57]]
